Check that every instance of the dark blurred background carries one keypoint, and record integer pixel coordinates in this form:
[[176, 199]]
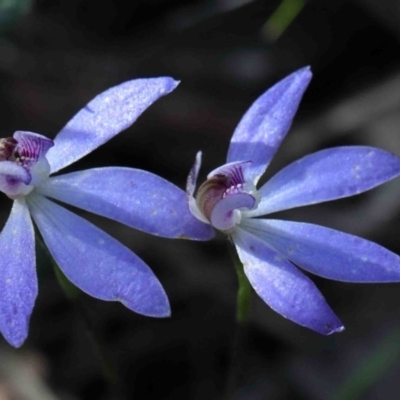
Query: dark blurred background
[[56, 55]]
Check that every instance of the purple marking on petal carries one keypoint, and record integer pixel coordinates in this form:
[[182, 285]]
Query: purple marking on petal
[[18, 282], [31, 146], [133, 197], [233, 171], [106, 115], [13, 177], [221, 183], [327, 252], [327, 175], [225, 215], [283, 287], [97, 263], [264, 126]]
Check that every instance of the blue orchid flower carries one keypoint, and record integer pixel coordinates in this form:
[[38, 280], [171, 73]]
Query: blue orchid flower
[[91, 259], [271, 250]]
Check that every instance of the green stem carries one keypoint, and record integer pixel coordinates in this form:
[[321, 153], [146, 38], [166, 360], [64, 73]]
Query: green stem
[[243, 300]]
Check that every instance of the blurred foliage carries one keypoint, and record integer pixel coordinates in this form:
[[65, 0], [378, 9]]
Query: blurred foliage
[[372, 368], [281, 19], [11, 11]]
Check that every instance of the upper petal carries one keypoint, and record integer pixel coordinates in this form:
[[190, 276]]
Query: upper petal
[[265, 124], [326, 175], [18, 282], [133, 197], [327, 252], [97, 263], [106, 115], [283, 287]]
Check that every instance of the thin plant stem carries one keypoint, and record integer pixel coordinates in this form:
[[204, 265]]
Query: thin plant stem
[[282, 18], [74, 295], [243, 300]]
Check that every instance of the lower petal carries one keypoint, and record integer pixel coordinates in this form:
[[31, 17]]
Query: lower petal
[[283, 287], [327, 252], [18, 281], [97, 263]]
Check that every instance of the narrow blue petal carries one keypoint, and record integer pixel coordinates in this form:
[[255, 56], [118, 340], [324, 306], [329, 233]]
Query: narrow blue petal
[[264, 126], [96, 262], [283, 287], [133, 197], [106, 115], [328, 253], [326, 175], [18, 282]]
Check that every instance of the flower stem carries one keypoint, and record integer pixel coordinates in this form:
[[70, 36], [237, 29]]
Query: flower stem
[[242, 315]]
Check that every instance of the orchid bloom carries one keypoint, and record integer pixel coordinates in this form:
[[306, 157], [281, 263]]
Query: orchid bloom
[[94, 261], [271, 250]]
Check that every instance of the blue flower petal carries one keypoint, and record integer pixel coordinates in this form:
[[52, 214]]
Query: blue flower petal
[[283, 287], [97, 263], [106, 115], [326, 175], [18, 282], [133, 197], [327, 252], [265, 124]]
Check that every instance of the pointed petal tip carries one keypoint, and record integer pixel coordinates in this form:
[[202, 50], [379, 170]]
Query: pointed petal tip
[[169, 83], [328, 326], [16, 338], [306, 70], [304, 74], [166, 314], [174, 83], [338, 329], [152, 310], [16, 343]]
